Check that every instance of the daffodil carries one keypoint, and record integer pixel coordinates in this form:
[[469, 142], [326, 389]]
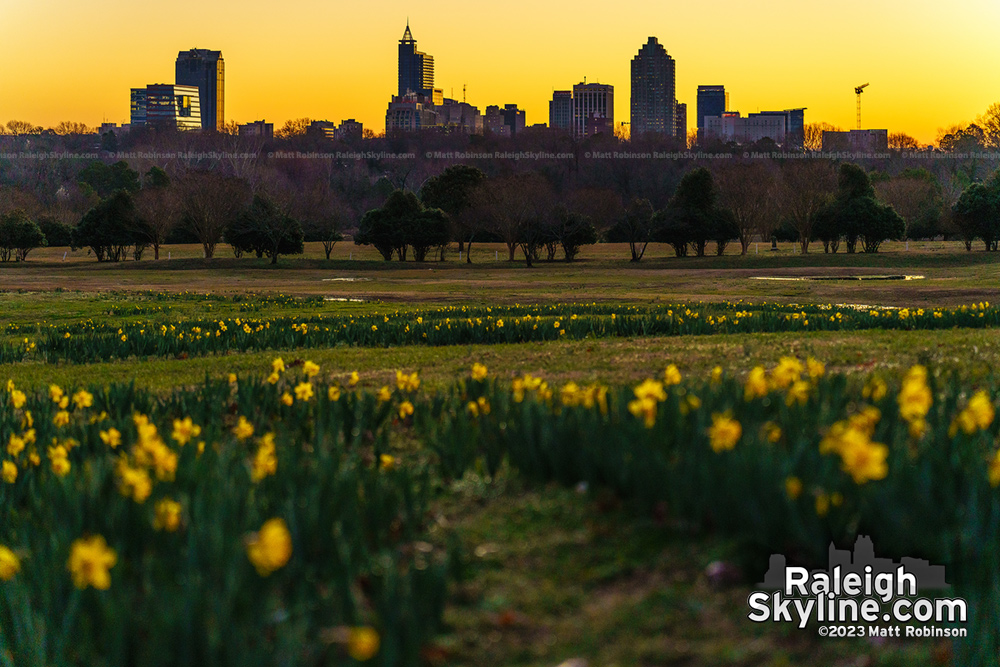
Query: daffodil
[[167, 515], [9, 472], [83, 399], [756, 384], [185, 430], [362, 643], [270, 548], [90, 560], [724, 432], [10, 564], [243, 429], [671, 375], [112, 437]]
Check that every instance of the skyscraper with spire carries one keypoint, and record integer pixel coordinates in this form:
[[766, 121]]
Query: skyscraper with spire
[[416, 69]]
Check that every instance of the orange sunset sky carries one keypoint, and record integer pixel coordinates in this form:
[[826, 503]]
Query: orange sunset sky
[[930, 64]]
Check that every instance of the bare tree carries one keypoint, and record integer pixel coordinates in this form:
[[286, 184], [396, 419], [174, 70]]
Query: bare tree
[[602, 206], [15, 197], [812, 135], [160, 208], [321, 213], [918, 199], [748, 190], [989, 122], [513, 208], [293, 128], [243, 157], [900, 141], [806, 187], [72, 127], [636, 227], [22, 127], [211, 202], [692, 138]]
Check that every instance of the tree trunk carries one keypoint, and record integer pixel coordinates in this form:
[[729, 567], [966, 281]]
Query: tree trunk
[[156, 251], [511, 247], [209, 249]]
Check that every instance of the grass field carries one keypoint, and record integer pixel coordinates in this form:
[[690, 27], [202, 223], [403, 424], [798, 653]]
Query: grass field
[[551, 572], [952, 276]]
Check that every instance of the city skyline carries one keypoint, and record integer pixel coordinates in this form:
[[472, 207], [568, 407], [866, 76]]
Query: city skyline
[[71, 62]]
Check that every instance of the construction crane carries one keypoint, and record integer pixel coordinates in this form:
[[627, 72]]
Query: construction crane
[[857, 91]]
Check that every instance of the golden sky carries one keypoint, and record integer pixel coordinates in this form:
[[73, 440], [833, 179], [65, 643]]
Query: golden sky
[[930, 63]]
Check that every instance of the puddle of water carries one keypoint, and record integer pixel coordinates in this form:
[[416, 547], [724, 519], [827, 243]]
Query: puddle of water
[[339, 298], [346, 280], [810, 278]]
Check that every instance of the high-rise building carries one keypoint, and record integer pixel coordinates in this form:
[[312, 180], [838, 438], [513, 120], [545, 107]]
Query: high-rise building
[[206, 70], [415, 111], [653, 90], [794, 125], [712, 101], [409, 113], [505, 121], [731, 127], [513, 118], [455, 116], [137, 107], [326, 129], [681, 122], [166, 105], [350, 129], [561, 110], [416, 69], [257, 128], [858, 141], [593, 109], [782, 127]]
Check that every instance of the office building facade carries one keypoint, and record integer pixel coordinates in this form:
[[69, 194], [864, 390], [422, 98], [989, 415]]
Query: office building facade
[[781, 127], [681, 122], [561, 110], [794, 125], [505, 121], [166, 105], [653, 100], [206, 70], [857, 141], [257, 128], [593, 108], [712, 101]]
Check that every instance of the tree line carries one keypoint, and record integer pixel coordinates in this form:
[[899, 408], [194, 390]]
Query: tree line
[[803, 201], [271, 213]]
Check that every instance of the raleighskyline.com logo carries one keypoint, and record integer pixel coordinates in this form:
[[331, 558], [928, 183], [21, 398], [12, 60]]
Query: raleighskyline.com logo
[[860, 595]]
